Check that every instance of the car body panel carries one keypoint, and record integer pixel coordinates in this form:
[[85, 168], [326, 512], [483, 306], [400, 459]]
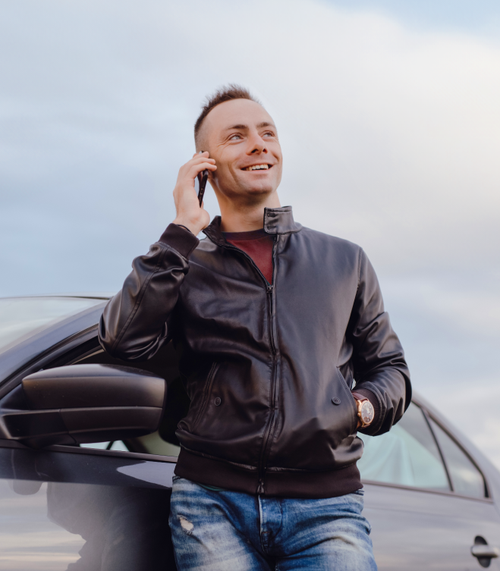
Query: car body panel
[[416, 529], [85, 509]]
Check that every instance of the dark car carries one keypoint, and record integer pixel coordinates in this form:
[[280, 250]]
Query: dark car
[[88, 448]]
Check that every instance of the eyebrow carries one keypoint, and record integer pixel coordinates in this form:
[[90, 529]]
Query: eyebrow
[[259, 126]]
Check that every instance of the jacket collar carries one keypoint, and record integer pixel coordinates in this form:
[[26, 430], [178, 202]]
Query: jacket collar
[[276, 221]]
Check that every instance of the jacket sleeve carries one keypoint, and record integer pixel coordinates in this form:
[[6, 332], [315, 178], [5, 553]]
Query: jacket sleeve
[[380, 369], [133, 325]]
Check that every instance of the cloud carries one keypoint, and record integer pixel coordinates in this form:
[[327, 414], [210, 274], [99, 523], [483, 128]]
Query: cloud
[[474, 412], [482, 17], [390, 138], [392, 131]]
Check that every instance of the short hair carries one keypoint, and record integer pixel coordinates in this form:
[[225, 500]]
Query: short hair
[[225, 93]]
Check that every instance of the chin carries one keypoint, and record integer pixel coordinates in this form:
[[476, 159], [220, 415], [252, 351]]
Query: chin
[[261, 187], [261, 192]]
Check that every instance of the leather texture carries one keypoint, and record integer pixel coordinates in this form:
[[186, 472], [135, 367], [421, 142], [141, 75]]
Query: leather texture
[[269, 368]]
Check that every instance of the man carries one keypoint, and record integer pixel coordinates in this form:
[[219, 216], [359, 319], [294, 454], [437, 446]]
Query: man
[[275, 322]]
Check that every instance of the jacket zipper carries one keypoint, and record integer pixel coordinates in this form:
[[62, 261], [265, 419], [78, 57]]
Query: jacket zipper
[[269, 429], [271, 291], [271, 296]]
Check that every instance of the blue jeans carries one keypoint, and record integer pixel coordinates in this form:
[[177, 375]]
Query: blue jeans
[[232, 531]]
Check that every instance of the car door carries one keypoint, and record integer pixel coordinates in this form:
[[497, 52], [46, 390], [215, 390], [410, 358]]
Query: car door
[[427, 501], [98, 507], [83, 509]]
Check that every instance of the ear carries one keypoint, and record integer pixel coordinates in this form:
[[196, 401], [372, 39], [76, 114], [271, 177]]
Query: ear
[[200, 141]]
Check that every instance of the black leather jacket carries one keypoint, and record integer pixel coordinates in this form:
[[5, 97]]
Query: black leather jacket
[[268, 368]]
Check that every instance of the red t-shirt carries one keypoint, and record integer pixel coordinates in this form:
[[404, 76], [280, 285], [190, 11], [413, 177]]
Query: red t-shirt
[[258, 245]]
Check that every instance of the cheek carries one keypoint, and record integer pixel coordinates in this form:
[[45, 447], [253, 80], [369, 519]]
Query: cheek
[[225, 173], [278, 169], [231, 171]]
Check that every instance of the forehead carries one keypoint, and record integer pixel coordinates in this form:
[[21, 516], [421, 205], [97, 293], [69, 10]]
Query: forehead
[[235, 112]]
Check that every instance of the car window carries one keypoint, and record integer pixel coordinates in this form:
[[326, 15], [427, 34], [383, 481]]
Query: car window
[[466, 479], [407, 455], [148, 444], [20, 317], [110, 445]]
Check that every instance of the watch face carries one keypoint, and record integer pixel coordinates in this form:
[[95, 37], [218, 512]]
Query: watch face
[[367, 412]]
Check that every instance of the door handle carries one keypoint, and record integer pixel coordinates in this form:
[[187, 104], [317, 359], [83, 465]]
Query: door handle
[[486, 551]]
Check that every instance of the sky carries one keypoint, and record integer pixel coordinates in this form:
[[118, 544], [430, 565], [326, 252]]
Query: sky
[[389, 119]]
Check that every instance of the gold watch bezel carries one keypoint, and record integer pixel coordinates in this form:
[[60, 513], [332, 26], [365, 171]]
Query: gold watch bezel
[[365, 408]]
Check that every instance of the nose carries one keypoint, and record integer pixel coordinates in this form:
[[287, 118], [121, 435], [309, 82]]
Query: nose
[[257, 145]]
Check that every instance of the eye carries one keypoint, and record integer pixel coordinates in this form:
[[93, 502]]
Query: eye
[[268, 134], [234, 137]]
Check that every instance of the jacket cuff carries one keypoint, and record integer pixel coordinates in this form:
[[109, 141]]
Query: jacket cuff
[[367, 394], [179, 238]]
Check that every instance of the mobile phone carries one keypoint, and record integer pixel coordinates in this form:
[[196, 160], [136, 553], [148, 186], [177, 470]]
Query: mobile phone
[[202, 183]]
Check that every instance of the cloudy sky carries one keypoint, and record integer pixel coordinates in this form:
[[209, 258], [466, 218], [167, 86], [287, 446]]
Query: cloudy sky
[[389, 118]]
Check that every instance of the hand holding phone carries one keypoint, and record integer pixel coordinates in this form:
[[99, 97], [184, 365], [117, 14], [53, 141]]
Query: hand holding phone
[[188, 193], [202, 183]]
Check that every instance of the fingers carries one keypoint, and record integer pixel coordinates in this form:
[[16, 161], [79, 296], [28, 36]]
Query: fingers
[[189, 171], [189, 212], [203, 157], [199, 162]]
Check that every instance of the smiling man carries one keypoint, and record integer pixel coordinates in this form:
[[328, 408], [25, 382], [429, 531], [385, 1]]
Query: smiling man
[[244, 182], [287, 353]]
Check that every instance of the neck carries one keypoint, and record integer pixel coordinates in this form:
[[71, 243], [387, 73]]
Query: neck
[[247, 217]]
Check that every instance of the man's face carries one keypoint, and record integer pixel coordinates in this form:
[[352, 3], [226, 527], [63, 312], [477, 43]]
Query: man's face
[[242, 138]]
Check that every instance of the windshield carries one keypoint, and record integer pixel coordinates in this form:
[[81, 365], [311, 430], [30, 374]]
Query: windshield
[[21, 317]]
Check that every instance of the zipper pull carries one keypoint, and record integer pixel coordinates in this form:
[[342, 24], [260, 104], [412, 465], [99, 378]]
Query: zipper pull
[[260, 487], [270, 288]]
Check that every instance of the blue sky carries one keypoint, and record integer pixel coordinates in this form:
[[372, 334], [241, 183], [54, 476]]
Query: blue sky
[[475, 16], [389, 121]]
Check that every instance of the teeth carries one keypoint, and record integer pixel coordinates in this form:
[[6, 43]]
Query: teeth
[[257, 167]]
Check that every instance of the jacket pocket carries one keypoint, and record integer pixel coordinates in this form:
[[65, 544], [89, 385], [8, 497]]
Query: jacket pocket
[[207, 390], [343, 397]]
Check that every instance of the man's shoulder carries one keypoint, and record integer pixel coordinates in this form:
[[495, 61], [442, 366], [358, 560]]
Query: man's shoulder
[[328, 240], [206, 245]]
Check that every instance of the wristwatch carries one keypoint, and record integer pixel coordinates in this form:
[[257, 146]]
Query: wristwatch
[[366, 412]]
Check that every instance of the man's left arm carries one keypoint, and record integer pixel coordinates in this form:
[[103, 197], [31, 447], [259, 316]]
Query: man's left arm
[[380, 369]]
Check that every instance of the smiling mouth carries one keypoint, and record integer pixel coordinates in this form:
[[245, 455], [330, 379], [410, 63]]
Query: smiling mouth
[[263, 167]]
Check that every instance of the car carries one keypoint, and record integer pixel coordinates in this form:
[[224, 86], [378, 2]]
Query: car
[[88, 450]]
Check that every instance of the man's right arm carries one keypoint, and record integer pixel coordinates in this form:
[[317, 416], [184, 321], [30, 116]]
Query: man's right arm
[[134, 323]]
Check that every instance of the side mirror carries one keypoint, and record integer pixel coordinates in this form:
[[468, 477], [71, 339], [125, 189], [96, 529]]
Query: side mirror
[[82, 403]]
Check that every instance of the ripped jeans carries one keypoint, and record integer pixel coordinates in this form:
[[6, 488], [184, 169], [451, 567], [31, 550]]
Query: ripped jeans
[[233, 531]]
